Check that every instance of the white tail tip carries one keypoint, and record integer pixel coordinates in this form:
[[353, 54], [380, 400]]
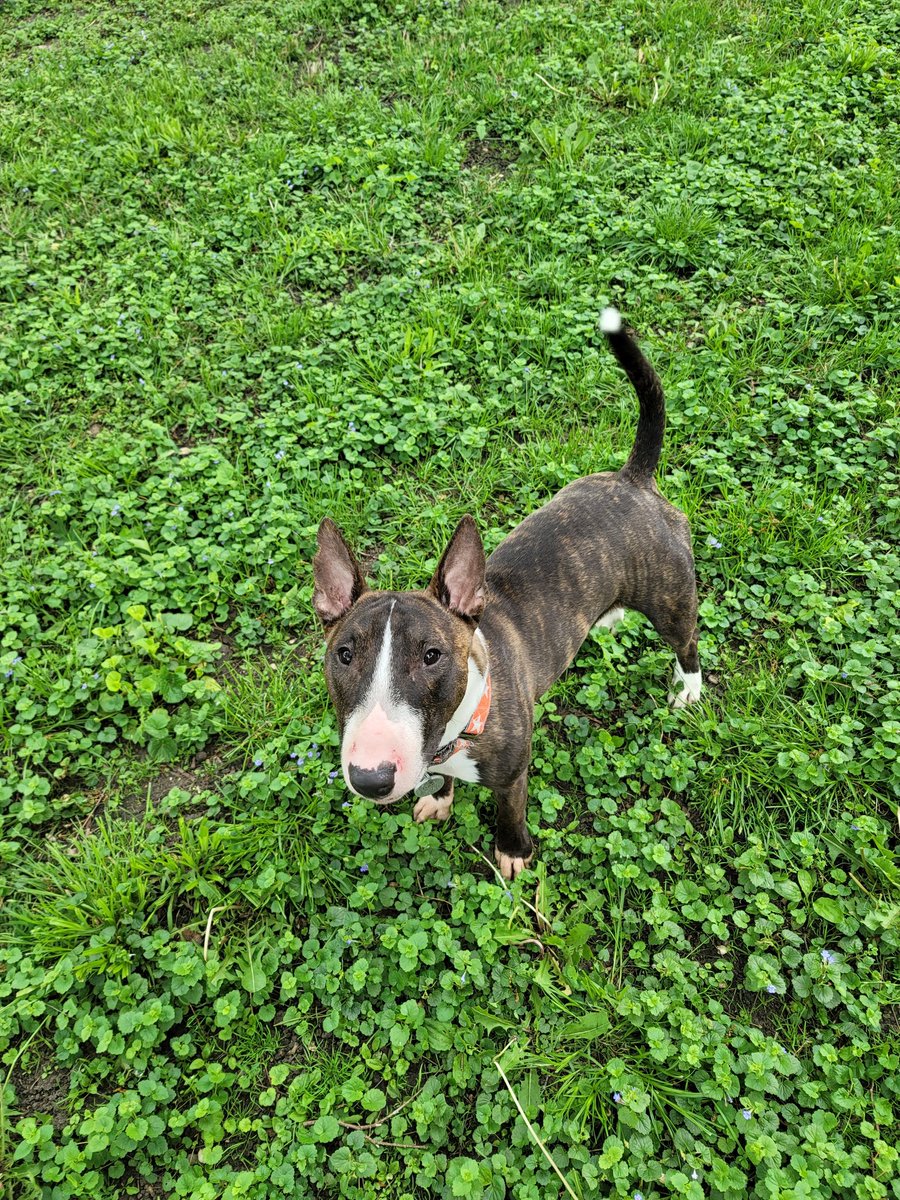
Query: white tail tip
[[610, 320]]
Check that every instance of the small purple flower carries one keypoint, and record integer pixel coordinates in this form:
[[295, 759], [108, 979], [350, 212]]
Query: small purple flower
[[345, 803], [711, 541], [257, 762], [352, 427], [115, 510], [638, 1196], [746, 1114], [617, 1097], [771, 989], [279, 455], [827, 957], [855, 827], [844, 675], [364, 869], [293, 754], [332, 776]]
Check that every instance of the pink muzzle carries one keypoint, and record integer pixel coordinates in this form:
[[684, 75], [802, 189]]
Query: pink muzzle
[[382, 758]]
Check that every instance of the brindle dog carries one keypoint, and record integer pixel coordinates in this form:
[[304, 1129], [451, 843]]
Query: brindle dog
[[412, 673]]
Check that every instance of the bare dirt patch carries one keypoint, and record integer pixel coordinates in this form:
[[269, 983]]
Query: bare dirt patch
[[494, 157], [134, 805], [43, 1092]]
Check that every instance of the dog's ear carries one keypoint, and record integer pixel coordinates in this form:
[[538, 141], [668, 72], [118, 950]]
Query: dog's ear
[[458, 582], [338, 576]]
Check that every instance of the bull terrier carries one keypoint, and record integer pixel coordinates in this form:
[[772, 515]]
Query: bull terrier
[[438, 685]]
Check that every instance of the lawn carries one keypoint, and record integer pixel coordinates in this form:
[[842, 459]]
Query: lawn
[[263, 261]]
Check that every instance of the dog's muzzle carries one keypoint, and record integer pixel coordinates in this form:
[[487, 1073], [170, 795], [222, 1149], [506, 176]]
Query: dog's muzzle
[[374, 784]]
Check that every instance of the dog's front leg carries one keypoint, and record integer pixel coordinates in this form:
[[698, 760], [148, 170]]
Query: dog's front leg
[[435, 808], [513, 849]]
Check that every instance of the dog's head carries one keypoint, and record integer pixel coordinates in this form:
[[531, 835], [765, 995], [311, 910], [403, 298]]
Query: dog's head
[[404, 669]]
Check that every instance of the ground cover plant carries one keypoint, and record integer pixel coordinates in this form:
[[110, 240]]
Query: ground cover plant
[[262, 262]]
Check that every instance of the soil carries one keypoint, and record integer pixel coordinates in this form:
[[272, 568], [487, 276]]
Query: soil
[[41, 1092]]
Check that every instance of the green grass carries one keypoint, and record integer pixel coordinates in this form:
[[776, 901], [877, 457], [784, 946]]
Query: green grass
[[265, 262]]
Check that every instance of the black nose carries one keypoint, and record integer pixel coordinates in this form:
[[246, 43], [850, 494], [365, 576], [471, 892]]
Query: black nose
[[375, 784]]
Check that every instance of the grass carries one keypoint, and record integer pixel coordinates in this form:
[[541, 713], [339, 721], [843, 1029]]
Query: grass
[[262, 263]]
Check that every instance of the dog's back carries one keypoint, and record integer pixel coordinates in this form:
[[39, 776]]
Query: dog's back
[[604, 542]]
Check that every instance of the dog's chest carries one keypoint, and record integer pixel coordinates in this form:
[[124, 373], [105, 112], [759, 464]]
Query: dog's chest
[[460, 766]]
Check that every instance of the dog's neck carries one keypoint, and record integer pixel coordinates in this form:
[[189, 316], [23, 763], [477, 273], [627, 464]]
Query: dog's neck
[[477, 687]]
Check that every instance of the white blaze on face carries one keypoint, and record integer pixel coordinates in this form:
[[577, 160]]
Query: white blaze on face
[[383, 728]]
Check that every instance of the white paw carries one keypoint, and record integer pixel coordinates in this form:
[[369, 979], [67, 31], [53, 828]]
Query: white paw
[[509, 866], [690, 688], [433, 808], [610, 618]]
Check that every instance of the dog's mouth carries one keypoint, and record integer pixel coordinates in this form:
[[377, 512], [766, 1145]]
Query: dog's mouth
[[382, 753], [422, 775], [390, 800], [386, 801], [378, 787]]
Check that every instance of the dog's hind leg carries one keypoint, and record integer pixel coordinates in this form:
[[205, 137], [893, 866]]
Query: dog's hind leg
[[610, 618], [687, 681], [676, 623]]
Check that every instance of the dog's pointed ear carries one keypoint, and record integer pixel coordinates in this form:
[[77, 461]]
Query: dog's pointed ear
[[458, 582], [338, 576]]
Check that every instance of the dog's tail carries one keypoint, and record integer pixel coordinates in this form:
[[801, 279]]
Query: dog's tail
[[644, 457]]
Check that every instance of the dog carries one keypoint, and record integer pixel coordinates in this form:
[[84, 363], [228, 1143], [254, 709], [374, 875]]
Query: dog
[[439, 685]]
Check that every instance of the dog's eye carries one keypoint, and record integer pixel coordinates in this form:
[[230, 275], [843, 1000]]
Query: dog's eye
[[345, 655], [431, 657]]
